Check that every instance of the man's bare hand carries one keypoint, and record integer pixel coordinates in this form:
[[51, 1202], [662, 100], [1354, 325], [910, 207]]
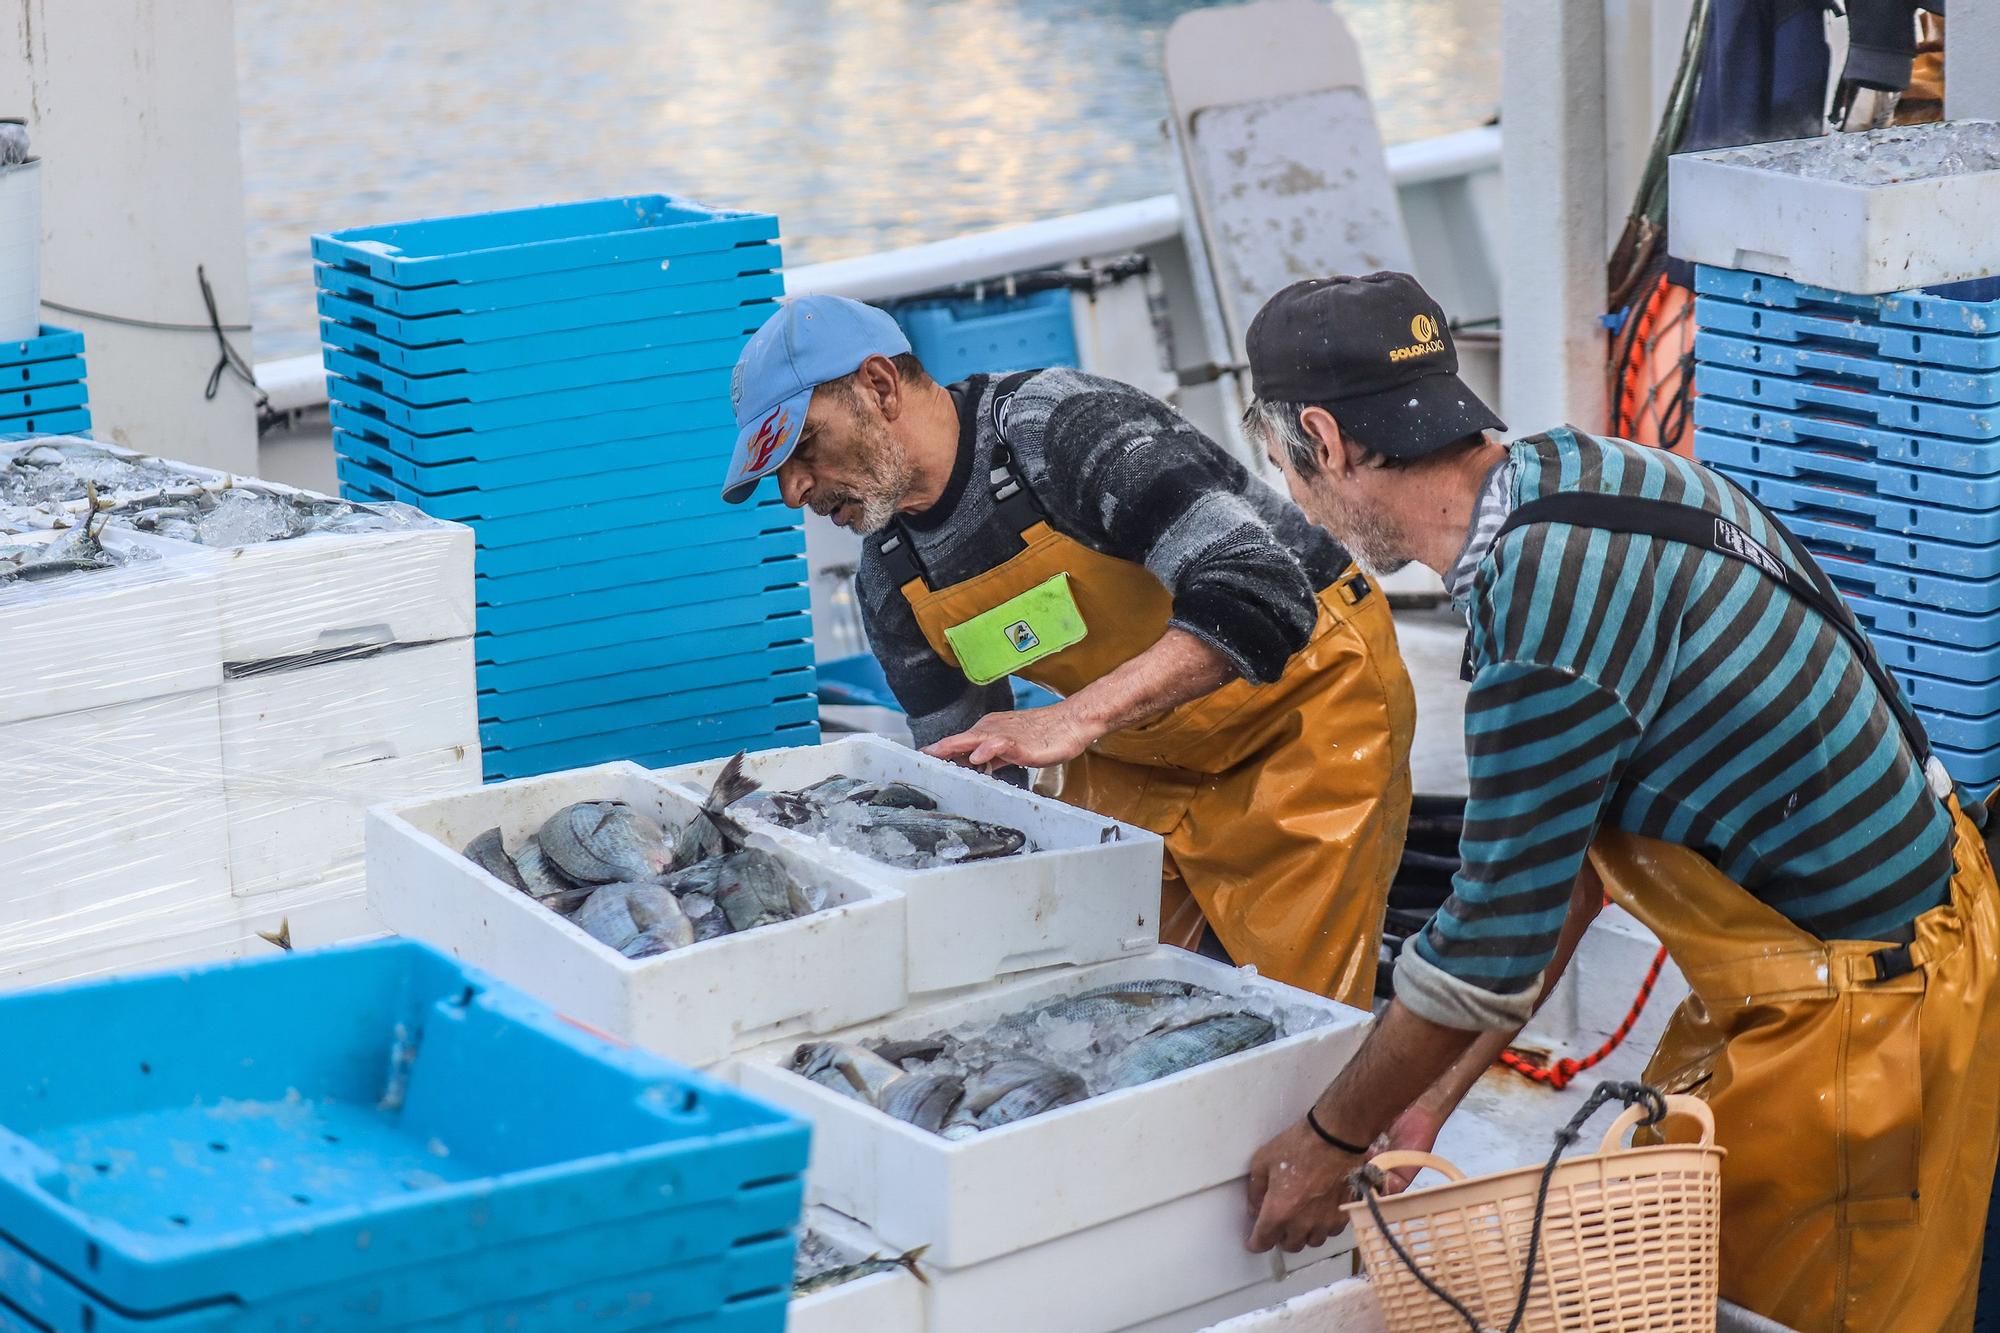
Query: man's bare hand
[[1027, 738], [1297, 1184]]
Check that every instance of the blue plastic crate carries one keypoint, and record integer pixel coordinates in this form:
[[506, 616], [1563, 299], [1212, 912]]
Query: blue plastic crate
[[556, 318], [537, 349], [33, 402], [1812, 499], [478, 246], [524, 445], [595, 632], [1925, 346], [1919, 310], [995, 334], [1843, 537], [510, 387], [545, 1283], [643, 522], [1889, 480], [1941, 660], [775, 556], [1931, 452], [1967, 735], [1896, 583], [1956, 629], [504, 754], [63, 421], [1971, 699], [230, 1132], [1976, 771], [51, 344], [42, 374], [561, 463], [670, 677], [644, 478], [704, 268], [500, 766], [859, 680], [619, 655], [1974, 388], [1785, 394], [682, 706], [669, 588], [744, 523], [658, 391]]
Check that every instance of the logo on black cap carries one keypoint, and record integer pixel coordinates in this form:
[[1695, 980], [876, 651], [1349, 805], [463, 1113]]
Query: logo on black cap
[[1425, 330]]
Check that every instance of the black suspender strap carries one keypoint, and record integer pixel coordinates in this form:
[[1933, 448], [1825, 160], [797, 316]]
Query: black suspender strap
[[1013, 499], [1702, 529]]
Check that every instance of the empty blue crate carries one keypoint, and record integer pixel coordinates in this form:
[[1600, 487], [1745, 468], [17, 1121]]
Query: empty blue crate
[[562, 461], [739, 318], [731, 265], [668, 676], [636, 478], [507, 754], [610, 542], [619, 655], [371, 1137], [1975, 534], [1847, 402], [773, 557], [591, 630], [669, 587], [1975, 388], [446, 418], [1915, 310], [1933, 453], [1851, 332], [962, 336], [535, 441], [558, 317], [1897, 583], [1850, 470], [754, 686], [553, 238]]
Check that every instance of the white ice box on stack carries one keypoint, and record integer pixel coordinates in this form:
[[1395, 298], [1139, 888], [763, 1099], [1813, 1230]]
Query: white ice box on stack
[[265, 693], [1088, 892], [1126, 1210]]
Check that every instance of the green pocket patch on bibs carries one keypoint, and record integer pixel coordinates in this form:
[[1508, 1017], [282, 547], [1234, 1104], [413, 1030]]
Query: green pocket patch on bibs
[[1021, 630]]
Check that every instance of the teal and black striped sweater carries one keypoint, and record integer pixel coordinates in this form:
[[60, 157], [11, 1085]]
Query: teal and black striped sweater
[[1645, 685]]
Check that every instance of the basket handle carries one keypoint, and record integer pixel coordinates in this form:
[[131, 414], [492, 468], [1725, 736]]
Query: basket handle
[[1401, 1157], [1677, 1104]]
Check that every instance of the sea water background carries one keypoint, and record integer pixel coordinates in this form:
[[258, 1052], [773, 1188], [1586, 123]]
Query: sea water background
[[864, 124]]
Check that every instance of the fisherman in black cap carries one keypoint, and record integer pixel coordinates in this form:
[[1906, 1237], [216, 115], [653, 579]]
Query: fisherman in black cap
[[1669, 704]]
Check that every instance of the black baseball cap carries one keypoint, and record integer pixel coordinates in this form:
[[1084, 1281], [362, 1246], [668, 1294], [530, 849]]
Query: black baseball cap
[[1375, 352]]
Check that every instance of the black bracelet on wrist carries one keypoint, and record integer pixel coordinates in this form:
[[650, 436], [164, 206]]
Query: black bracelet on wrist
[[1332, 1140]]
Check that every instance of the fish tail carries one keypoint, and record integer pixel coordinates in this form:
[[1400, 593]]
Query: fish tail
[[908, 1261], [731, 785]]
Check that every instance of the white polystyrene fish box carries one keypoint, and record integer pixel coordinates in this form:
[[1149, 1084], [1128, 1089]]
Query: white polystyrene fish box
[[887, 1302], [99, 637], [114, 816], [1344, 1307], [1079, 1166], [1313, 1277], [839, 965], [1089, 892], [1884, 211]]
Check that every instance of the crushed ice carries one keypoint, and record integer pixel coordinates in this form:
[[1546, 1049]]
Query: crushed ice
[[1878, 157]]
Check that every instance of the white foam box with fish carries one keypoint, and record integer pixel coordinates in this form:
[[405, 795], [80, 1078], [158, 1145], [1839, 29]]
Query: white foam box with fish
[[114, 819], [699, 1004], [1054, 1175], [1868, 213], [1344, 1307], [890, 1302], [100, 637], [326, 590], [1089, 892], [307, 749]]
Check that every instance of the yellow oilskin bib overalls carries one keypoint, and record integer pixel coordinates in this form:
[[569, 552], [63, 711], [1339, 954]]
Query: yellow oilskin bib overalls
[[1283, 806], [1856, 1084]]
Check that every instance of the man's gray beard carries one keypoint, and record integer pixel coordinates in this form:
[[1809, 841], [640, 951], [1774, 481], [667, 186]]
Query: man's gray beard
[[1372, 542], [876, 511]]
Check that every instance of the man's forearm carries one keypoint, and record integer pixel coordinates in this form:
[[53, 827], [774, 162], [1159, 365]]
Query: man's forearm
[[1177, 668], [1402, 1057]]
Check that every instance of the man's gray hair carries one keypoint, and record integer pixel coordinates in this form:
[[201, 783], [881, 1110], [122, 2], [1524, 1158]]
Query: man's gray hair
[[1273, 421]]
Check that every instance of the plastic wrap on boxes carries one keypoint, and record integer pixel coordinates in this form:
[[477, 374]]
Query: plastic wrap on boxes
[[204, 682]]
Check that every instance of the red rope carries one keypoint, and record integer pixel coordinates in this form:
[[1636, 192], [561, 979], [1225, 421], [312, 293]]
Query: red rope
[[1559, 1074]]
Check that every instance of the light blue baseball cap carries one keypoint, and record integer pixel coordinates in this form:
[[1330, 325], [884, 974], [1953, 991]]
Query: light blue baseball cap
[[809, 341]]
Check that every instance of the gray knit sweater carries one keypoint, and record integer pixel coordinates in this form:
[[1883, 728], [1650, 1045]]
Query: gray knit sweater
[[1124, 474]]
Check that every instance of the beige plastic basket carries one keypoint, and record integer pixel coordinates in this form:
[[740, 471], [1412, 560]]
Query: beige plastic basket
[[1628, 1239]]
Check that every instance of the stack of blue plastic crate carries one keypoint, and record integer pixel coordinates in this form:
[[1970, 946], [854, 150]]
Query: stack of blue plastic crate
[[558, 378], [373, 1138], [42, 388], [1871, 426]]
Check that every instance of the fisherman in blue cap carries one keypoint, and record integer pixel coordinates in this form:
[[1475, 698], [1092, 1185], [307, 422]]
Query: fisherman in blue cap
[[1229, 677]]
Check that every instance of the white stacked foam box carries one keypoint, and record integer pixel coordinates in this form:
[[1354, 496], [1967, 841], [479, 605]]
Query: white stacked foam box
[[697, 1005], [1121, 1209], [1313, 1277], [1091, 891], [1344, 1307], [306, 750]]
